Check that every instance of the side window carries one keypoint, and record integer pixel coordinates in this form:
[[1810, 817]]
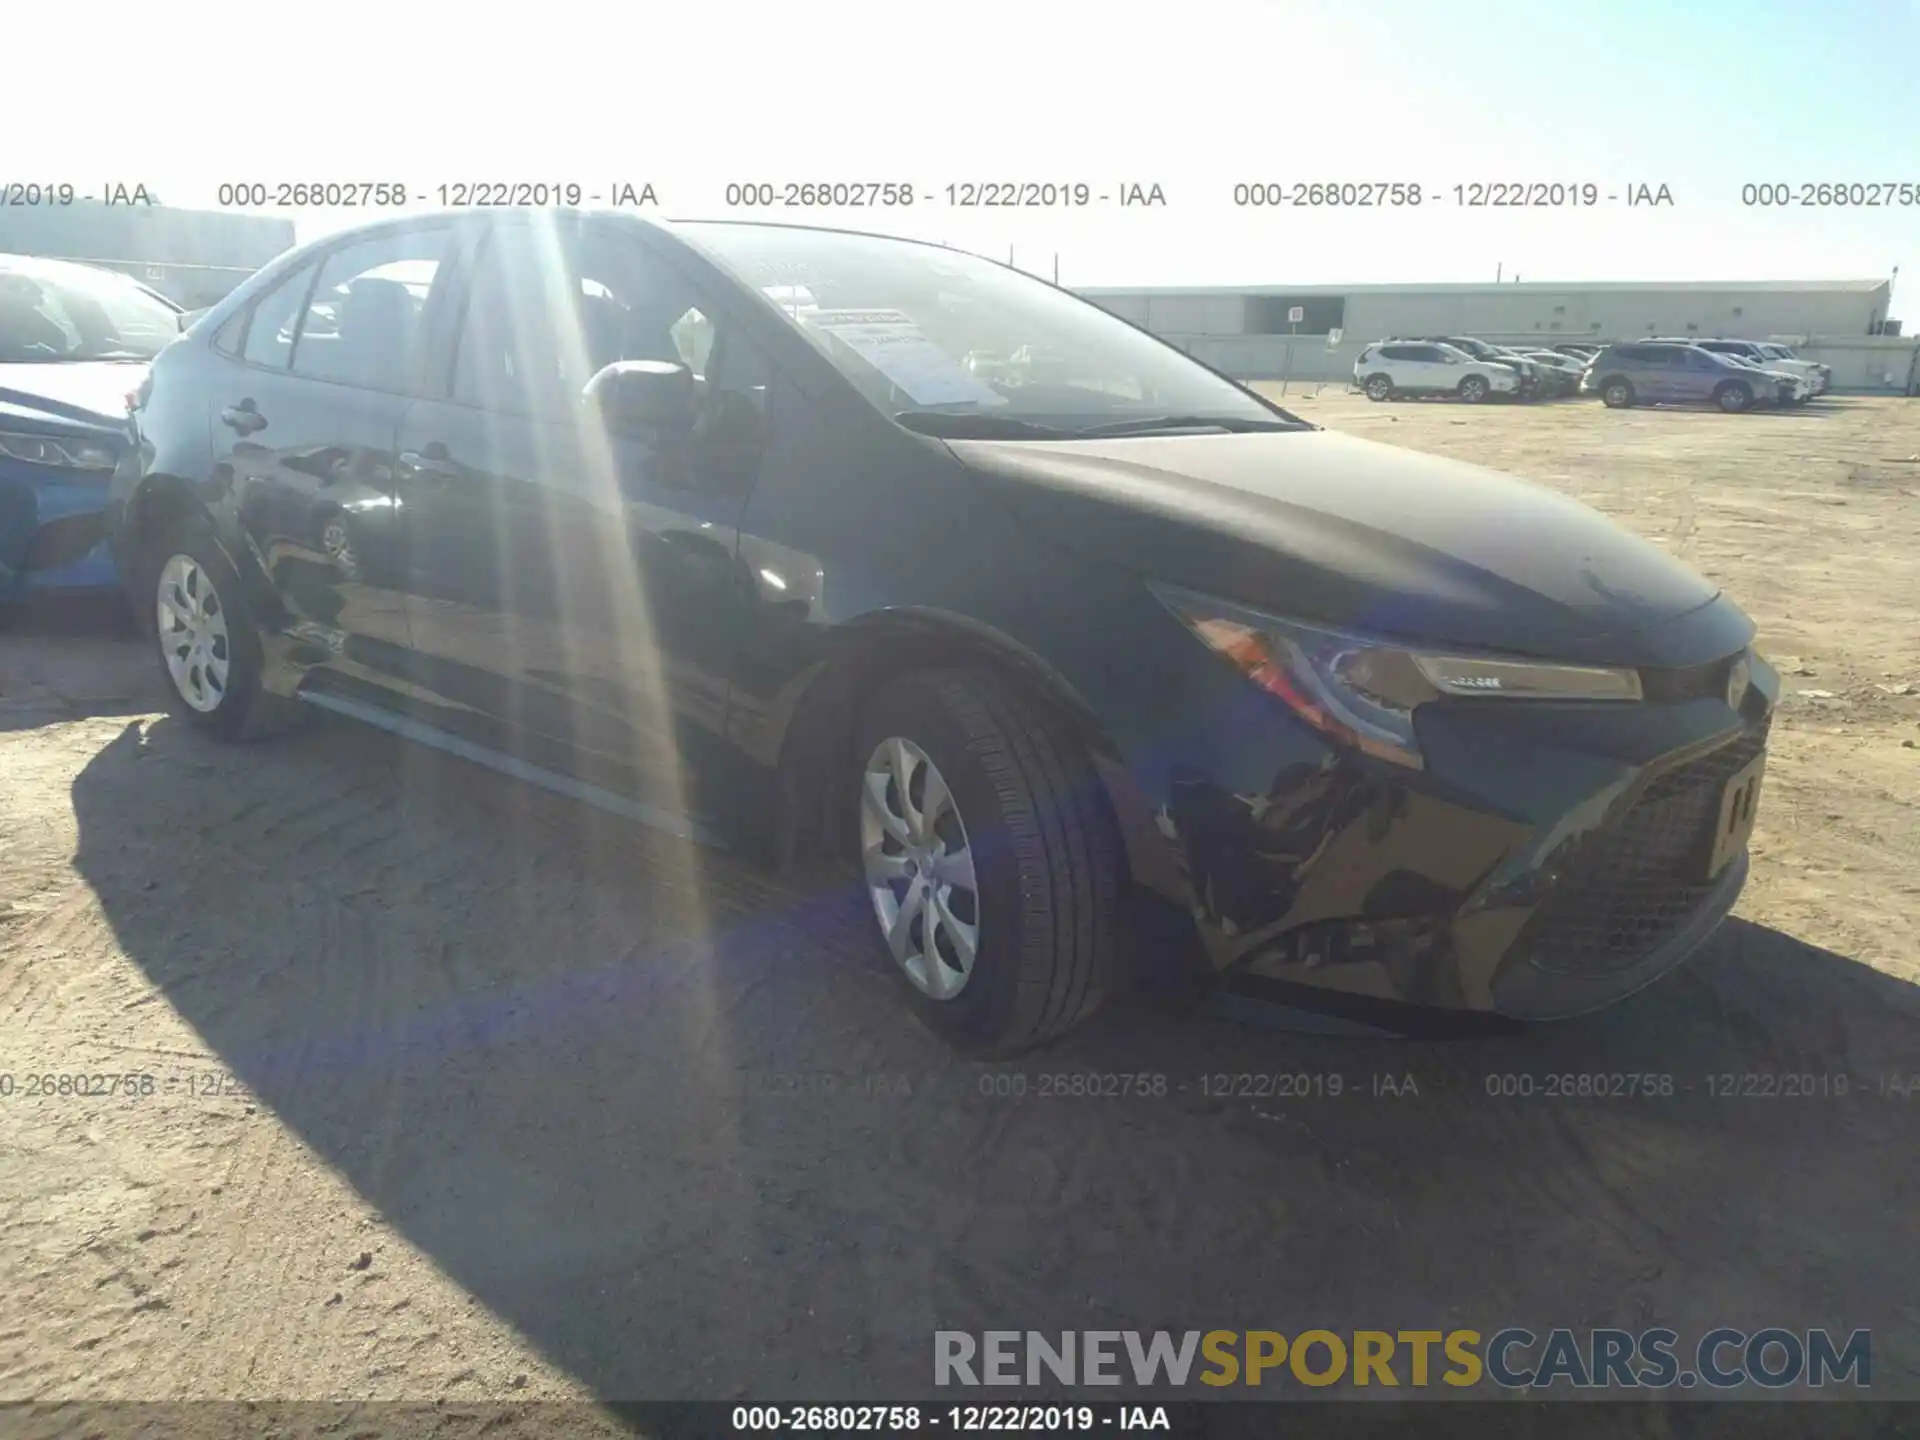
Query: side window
[[363, 324], [548, 312], [633, 306], [636, 307], [272, 319], [1396, 352], [508, 357], [231, 336]]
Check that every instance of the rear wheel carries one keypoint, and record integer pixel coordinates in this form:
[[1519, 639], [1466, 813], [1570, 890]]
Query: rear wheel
[[208, 647], [989, 858], [1733, 397], [1379, 388], [1473, 389], [1616, 394]]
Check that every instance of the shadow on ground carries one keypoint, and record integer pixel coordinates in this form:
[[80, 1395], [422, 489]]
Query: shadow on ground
[[72, 659], [668, 1117]]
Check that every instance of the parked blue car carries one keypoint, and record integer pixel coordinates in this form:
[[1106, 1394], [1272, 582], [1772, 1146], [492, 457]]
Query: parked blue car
[[74, 343]]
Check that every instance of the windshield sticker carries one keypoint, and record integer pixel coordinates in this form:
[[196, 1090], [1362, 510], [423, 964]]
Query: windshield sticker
[[793, 298], [889, 341]]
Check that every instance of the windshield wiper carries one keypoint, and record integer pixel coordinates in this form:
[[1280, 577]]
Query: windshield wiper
[[977, 425], [1156, 424]]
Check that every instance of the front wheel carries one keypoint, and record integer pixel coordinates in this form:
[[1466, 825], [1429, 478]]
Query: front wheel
[[1616, 395], [1733, 397], [208, 647], [989, 857], [1473, 389]]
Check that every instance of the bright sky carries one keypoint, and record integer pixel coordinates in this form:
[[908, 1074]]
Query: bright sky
[[1701, 97]]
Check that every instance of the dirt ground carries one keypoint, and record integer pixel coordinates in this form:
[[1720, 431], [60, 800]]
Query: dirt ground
[[457, 1091]]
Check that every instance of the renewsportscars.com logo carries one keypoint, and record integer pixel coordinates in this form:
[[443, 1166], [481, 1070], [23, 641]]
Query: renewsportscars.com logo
[[1514, 1358]]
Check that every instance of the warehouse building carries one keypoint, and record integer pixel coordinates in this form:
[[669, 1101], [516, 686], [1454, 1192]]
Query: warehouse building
[[1281, 332]]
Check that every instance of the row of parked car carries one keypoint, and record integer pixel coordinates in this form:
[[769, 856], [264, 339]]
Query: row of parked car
[[1734, 375]]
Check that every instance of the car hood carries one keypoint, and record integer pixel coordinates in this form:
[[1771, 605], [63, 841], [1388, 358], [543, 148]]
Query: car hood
[[88, 394], [1329, 528]]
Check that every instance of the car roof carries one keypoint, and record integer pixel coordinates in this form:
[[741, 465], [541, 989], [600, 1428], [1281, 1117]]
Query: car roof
[[688, 232], [1650, 340]]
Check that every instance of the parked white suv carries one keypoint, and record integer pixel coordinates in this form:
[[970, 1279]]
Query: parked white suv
[[1390, 368], [1772, 357], [1781, 358]]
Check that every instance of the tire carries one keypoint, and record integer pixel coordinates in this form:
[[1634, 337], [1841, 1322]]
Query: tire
[[1617, 394], [1733, 397], [1473, 389], [1046, 861], [1379, 388], [205, 639]]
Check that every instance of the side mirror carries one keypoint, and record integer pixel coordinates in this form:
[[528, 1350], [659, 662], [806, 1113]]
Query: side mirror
[[645, 397]]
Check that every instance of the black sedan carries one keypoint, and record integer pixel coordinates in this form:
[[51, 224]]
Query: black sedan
[[881, 557]]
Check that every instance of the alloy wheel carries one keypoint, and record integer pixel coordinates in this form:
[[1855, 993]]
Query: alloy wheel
[[193, 633], [339, 547], [919, 868]]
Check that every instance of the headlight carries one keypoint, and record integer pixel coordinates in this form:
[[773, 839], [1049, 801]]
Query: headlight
[[1363, 692], [64, 454]]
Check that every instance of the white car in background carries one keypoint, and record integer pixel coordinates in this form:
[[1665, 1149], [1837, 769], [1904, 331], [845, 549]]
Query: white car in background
[[1781, 356], [1388, 369], [1776, 358]]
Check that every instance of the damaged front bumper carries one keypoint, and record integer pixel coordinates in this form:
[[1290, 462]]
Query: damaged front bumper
[[1549, 861]]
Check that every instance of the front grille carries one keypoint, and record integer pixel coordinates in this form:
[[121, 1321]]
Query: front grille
[[1693, 682], [1623, 895]]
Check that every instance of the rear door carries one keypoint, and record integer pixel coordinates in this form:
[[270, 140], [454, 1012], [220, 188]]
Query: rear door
[[1652, 375], [1397, 362], [304, 419]]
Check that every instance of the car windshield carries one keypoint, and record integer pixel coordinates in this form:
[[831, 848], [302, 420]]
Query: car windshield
[[947, 341], [73, 314]]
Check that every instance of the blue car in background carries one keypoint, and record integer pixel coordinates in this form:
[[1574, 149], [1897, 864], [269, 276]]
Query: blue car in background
[[74, 343]]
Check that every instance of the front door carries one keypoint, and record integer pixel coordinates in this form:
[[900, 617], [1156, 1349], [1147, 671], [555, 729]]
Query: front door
[[1431, 370], [573, 590]]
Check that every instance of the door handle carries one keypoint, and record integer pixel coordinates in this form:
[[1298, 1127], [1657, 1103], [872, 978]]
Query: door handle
[[431, 465], [244, 417]]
